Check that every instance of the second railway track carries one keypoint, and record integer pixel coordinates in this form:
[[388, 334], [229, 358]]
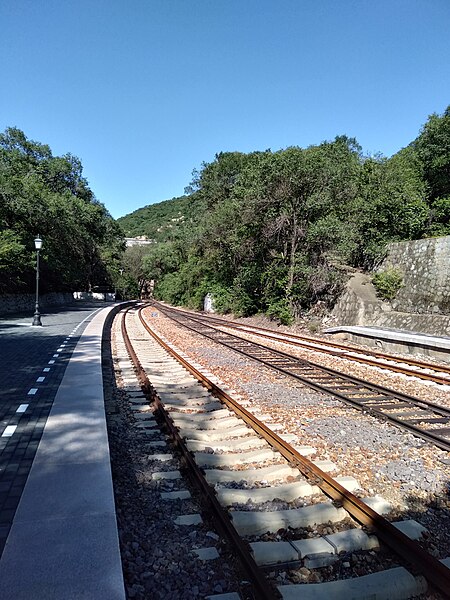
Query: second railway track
[[436, 373], [424, 419], [239, 451]]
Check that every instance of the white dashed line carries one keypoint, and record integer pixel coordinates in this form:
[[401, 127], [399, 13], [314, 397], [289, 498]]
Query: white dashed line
[[9, 430]]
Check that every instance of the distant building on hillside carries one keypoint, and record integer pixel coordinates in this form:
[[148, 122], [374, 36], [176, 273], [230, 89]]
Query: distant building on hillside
[[140, 240]]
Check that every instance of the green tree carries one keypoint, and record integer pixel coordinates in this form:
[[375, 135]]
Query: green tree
[[391, 205], [432, 148], [40, 193]]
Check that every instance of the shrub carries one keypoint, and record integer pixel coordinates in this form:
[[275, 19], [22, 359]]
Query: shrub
[[387, 283], [313, 326], [281, 312]]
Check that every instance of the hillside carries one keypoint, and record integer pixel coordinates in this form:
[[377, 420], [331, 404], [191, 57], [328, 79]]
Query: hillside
[[157, 221]]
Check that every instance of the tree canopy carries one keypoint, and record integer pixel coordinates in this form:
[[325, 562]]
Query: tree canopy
[[276, 231], [270, 231], [47, 195], [156, 221]]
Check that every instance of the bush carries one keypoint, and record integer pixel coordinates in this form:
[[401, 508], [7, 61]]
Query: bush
[[313, 326], [222, 300], [281, 312], [387, 283]]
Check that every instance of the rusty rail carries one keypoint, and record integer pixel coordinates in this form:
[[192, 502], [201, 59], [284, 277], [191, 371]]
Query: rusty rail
[[436, 573], [376, 408], [336, 349], [262, 587]]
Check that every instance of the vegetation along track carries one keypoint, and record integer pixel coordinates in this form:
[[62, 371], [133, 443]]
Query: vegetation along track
[[420, 417], [240, 455]]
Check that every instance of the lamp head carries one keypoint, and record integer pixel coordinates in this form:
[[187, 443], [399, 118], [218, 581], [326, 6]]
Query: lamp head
[[38, 243]]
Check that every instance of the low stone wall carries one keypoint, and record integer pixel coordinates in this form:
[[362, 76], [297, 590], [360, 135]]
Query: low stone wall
[[351, 309], [107, 296], [22, 303], [422, 304]]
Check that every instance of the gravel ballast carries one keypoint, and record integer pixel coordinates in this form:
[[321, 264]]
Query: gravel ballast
[[408, 472]]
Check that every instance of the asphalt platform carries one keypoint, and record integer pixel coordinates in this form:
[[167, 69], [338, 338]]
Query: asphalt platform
[[58, 535]]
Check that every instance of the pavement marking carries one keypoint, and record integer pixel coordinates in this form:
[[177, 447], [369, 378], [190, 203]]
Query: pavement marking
[[51, 362], [22, 408], [32, 391], [9, 430], [55, 356], [46, 370], [40, 379]]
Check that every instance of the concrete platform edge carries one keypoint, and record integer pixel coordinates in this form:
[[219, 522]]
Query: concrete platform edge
[[64, 539]]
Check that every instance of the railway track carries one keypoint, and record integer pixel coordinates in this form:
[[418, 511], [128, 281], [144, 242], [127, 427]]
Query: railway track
[[424, 419], [427, 371], [244, 460]]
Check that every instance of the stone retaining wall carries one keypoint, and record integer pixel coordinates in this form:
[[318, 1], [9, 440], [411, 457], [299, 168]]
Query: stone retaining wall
[[21, 303], [425, 265], [422, 304]]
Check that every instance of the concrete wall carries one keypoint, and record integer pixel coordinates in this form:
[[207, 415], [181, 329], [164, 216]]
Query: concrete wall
[[422, 305], [20, 303]]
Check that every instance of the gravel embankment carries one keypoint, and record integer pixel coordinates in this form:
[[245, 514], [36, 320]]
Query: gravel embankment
[[411, 474]]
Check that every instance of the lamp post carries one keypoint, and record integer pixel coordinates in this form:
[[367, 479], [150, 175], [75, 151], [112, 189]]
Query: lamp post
[[37, 316], [120, 283]]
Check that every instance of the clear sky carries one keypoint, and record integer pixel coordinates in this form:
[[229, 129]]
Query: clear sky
[[144, 91]]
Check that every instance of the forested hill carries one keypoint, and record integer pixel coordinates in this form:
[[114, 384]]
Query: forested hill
[[158, 221]]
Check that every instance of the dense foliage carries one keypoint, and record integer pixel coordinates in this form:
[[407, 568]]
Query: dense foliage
[[47, 195], [276, 231], [264, 231]]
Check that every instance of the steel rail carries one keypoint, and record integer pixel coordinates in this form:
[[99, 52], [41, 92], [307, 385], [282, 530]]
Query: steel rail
[[373, 362], [426, 434], [222, 518], [340, 352], [435, 572]]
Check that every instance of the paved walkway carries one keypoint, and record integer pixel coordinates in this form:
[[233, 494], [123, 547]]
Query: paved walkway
[[56, 497]]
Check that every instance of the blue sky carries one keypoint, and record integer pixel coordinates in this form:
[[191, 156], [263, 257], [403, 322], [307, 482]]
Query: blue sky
[[144, 91]]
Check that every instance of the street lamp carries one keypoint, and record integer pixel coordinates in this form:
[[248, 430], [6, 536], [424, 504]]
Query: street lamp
[[37, 316], [120, 283]]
